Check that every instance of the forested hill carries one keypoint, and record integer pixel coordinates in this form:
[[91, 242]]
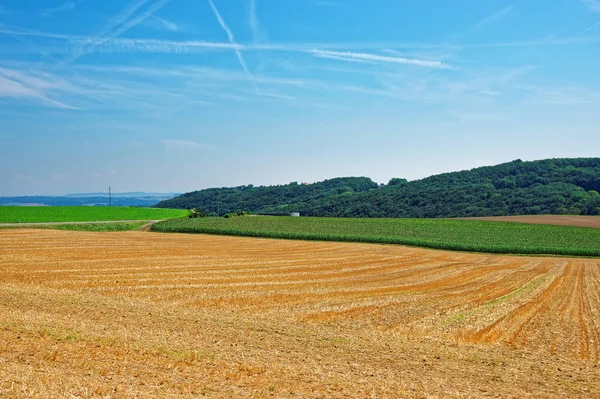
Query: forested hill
[[556, 186], [268, 198]]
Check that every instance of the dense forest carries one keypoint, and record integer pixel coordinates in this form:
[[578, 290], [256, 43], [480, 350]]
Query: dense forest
[[269, 199], [552, 186]]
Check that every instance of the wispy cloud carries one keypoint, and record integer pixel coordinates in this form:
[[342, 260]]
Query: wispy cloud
[[160, 46], [120, 18], [487, 20], [16, 84], [191, 46], [492, 18], [590, 28], [231, 38], [345, 58], [66, 6], [14, 30], [138, 18], [258, 33], [124, 21], [362, 57], [593, 5], [253, 20], [168, 25]]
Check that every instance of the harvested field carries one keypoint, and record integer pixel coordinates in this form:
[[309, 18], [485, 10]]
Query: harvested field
[[559, 220], [142, 314]]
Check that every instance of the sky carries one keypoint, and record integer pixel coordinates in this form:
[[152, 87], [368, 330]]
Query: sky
[[180, 95]]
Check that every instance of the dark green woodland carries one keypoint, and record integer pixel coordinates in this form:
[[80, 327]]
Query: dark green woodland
[[551, 186]]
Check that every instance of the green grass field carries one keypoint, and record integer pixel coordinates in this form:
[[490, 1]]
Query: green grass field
[[44, 214], [460, 235]]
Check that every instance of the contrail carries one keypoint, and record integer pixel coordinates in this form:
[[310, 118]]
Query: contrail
[[231, 39]]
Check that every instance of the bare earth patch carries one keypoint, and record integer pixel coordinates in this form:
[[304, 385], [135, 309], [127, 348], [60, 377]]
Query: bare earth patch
[[561, 220], [136, 314]]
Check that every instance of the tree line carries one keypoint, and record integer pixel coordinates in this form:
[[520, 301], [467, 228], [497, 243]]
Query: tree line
[[551, 186]]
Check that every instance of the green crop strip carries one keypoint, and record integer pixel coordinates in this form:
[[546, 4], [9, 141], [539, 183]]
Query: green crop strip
[[459, 235], [47, 214]]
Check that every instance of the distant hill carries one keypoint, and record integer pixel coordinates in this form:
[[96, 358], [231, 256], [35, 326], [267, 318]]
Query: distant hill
[[91, 199], [551, 186], [133, 194]]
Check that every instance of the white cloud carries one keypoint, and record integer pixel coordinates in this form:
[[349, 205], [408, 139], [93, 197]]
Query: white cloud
[[120, 24], [168, 25], [16, 84], [361, 57], [258, 33], [231, 38], [141, 17], [590, 28], [159, 46], [66, 6], [493, 17]]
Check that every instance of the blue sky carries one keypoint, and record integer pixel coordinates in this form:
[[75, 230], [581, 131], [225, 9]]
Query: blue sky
[[178, 95]]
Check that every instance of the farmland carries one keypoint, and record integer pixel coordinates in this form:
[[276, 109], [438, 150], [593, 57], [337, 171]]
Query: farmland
[[559, 220], [46, 214], [133, 314], [462, 235]]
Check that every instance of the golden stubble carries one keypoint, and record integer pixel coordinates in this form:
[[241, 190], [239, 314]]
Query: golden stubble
[[139, 314]]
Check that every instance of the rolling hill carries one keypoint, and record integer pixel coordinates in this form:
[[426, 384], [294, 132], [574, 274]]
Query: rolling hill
[[551, 186]]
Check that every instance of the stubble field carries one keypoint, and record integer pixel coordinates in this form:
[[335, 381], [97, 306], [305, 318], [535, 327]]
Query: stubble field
[[135, 314]]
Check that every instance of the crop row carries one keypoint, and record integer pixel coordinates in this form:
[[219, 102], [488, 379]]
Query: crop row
[[459, 235]]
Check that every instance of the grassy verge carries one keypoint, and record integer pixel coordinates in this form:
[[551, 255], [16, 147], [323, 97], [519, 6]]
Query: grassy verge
[[460, 235], [100, 227], [45, 214]]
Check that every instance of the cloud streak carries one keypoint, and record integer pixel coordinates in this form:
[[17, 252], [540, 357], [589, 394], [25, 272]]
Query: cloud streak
[[190, 46], [121, 18], [124, 21], [366, 57], [231, 38], [492, 18], [168, 25], [253, 20], [66, 6], [16, 84], [138, 19], [590, 28]]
